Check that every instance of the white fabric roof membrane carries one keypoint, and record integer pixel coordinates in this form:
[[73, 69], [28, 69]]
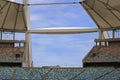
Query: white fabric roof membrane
[[105, 13], [12, 16]]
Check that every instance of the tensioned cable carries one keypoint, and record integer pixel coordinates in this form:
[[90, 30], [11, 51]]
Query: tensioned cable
[[63, 3]]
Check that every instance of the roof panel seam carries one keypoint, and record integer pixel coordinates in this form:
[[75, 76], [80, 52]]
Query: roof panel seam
[[16, 18], [24, 19], [6, 16], [2, 7], [110, 10], [100, 16], [91, 15]]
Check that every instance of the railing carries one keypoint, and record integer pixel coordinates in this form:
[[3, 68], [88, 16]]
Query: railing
[[7, 35]]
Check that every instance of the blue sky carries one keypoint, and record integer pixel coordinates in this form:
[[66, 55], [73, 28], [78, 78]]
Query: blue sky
[[63, 50]]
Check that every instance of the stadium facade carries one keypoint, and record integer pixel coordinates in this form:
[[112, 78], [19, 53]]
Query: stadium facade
[[101, 63]]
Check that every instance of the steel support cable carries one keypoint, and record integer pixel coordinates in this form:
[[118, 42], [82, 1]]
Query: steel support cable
[[63, 3]]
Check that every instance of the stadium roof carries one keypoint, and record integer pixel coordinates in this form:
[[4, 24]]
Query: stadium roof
[[12, 16], [105, 13]]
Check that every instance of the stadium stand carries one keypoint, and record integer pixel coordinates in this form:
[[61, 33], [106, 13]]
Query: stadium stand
[[11, 54], [63, 73], [93, 73], [101, 63], [101, 55], [98, 57], [113, 75]]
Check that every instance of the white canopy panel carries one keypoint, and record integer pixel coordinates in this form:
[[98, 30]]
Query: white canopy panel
[[105, 13], [12, 16]]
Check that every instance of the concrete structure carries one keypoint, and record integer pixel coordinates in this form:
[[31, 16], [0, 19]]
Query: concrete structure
[[15, 19]]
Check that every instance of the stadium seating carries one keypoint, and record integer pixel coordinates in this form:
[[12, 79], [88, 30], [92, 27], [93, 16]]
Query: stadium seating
[[63, 73], [30, 73], [6, 73], [113, 75], [91, 73]]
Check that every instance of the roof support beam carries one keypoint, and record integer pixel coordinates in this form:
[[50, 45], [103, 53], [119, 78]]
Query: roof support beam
[[63, 3], [62, 30]]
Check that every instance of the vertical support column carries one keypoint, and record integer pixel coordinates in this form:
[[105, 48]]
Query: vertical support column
[[100, 34], [13, 35], [27, 36], [0, 35], [105, 35], [113, 34]]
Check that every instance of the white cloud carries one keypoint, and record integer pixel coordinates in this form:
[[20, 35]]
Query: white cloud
[[57, 16], [35, 17]]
